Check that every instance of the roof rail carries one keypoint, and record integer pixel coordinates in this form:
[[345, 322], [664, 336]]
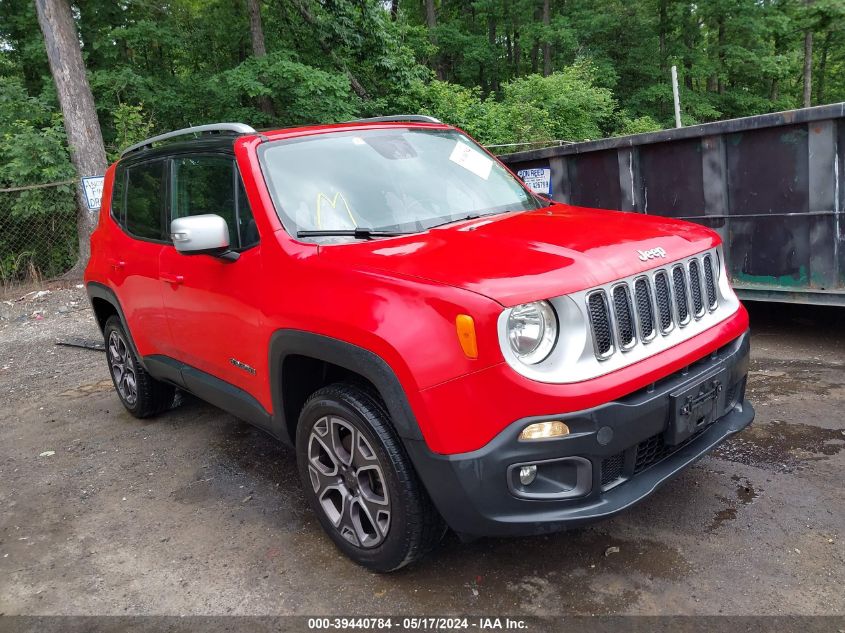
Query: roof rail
[[236, 128], [412, 118]]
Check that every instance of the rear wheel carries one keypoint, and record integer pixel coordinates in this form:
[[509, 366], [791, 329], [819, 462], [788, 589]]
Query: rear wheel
[[360, 482], [141, 394]]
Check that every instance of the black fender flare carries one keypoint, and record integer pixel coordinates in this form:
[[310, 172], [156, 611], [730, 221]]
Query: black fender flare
[[289, 342], [96, 290]]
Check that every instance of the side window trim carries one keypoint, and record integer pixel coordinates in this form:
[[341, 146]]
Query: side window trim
[[237, 198], [239, 187], [165, 211]]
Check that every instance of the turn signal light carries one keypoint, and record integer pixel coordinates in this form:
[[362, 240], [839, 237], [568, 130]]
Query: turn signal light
[[544, 430], [465, 327]]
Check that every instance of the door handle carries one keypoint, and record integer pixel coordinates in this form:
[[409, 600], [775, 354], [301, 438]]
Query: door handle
[[117, 264], [173, 280]]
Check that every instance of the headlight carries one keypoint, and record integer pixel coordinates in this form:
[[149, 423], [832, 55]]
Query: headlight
[[532, 331]]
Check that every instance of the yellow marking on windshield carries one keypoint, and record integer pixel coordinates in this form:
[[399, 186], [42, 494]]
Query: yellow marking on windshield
[[333, 204]]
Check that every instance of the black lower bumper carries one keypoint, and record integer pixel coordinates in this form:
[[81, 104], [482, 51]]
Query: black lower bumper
[[615, 455]]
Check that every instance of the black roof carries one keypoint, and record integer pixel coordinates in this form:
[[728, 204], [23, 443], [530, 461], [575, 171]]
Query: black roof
[[215, 143]]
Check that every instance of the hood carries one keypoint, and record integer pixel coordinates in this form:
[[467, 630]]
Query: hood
[[513, 258]]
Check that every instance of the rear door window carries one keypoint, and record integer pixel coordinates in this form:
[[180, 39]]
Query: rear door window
[[144, 209]]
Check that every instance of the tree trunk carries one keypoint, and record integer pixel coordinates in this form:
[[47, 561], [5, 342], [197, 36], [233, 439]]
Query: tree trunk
[[430, 15], [394, 10], [259, 49], [774, 88], [808, 68], [256, 30], [534, 55], [808, 63], [822, 74], [85, 139], [691, 27], [431, 23], [494, 53], [547, 46], [721, 70]]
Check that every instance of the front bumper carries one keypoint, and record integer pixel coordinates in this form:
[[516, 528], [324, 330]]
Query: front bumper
[[618, 454]]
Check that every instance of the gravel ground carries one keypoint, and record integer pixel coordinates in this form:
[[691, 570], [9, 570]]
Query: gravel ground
[[195, 512]]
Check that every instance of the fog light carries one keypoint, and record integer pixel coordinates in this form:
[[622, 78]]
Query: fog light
[[544, 430], [527, 475]]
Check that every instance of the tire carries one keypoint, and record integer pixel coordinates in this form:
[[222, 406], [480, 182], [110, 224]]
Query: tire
[[141, 394], [360, 482]]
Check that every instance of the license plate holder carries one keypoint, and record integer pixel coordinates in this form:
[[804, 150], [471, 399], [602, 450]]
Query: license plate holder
[[695, 408]]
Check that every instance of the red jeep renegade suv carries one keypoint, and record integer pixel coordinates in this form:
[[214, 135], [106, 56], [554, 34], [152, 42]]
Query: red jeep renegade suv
[[442, 346]]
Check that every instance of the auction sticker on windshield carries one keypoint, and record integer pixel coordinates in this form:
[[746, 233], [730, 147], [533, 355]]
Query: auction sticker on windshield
[[471, 160]]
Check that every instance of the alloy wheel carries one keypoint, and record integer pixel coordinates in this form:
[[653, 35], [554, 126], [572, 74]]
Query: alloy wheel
[[122, 367], [349, 482]]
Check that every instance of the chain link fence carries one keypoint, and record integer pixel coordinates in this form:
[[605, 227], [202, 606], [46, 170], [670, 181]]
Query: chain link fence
[[38, 239]]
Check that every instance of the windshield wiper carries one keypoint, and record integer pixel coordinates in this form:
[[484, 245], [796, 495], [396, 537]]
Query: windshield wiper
[[472, 216], [358, 234]]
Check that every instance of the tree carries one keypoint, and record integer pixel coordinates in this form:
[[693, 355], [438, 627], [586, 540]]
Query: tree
[[808, 63], [259, 48], [431, 23], [77, 103], [547, 46]]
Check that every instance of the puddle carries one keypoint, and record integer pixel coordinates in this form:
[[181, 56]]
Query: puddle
[[745, 494], [722, 516], [780, 446]]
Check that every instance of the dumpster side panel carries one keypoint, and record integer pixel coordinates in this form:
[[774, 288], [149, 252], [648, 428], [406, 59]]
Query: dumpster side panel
[[771, 185]]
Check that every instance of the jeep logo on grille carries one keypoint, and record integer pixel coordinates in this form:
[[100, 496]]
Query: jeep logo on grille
[[651, 254]]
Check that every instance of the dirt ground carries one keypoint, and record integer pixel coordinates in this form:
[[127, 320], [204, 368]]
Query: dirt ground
[[195, 512]]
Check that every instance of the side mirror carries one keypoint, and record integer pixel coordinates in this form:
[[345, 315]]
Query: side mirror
[[202, 235]]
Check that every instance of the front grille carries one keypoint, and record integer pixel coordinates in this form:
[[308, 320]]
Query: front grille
[[695, 288], [679, 286], [664, 302], [651, 451], [632, 312], [600, 322], [709, 282], [624, 316], [645, 312], [611, 468]]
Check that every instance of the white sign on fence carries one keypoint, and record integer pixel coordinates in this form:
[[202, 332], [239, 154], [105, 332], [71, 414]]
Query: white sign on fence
[[93, 188], [538, 179]]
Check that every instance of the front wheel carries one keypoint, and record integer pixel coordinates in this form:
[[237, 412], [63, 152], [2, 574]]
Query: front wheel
[[141, 394], [359, 480]]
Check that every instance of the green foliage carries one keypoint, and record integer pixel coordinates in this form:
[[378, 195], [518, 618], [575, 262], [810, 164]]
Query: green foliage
[[300, 93], [577, 109], [640, 125], [36, 225], [131, 125], [565, 105], [156, 65]]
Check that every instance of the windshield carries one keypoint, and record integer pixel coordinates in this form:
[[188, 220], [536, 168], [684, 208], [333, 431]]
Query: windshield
[[398, 180]]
